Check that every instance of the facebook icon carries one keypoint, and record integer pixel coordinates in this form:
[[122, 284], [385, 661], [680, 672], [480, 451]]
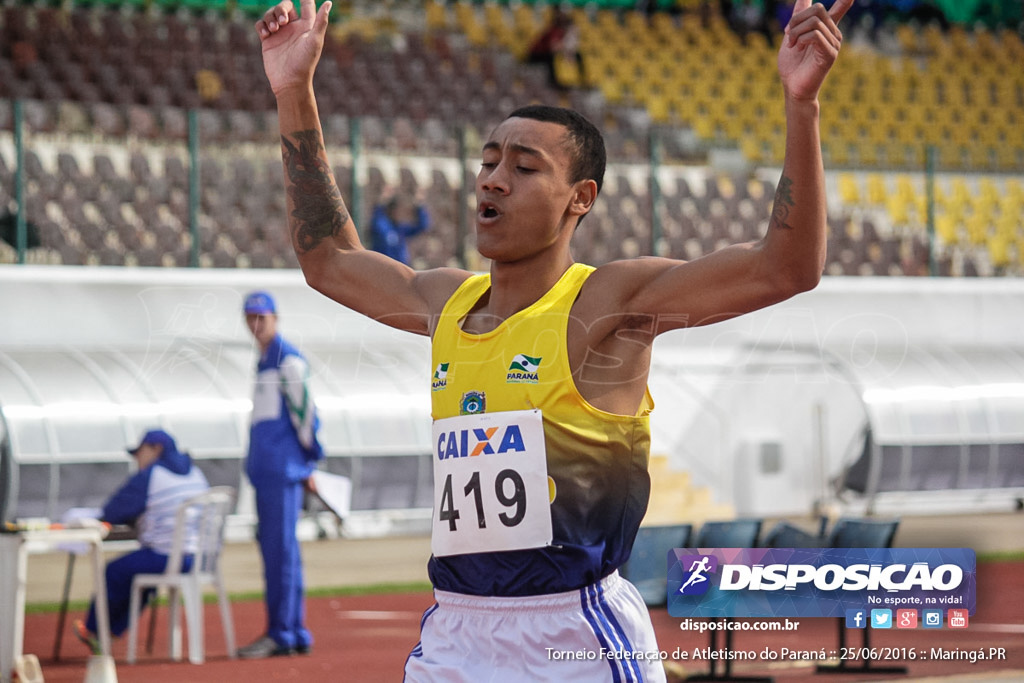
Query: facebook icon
[[856, 618]]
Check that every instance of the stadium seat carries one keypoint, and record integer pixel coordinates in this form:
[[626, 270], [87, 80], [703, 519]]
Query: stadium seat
[[786, 535], [736, 533], [647, 567], [134, 75], [860, 533]]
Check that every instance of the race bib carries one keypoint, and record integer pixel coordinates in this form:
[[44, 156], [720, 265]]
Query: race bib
[[490, 484]]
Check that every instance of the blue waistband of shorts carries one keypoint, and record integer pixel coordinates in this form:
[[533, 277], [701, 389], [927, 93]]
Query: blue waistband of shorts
[[568, 601]]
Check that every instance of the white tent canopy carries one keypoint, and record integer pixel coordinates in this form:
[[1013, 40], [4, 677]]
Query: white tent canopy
[[943, 419], [91, 358], [773, 410], [863, 387]]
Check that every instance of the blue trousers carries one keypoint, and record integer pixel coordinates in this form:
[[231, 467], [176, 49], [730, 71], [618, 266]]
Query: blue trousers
[[278, 505], [119, 575]]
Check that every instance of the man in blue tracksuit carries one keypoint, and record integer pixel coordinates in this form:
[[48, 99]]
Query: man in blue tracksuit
[[394, 221], [149, 500], [283, 450]]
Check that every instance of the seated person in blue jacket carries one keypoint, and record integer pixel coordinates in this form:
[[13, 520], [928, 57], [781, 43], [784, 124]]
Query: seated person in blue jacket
[[149, 499], [395, 219]]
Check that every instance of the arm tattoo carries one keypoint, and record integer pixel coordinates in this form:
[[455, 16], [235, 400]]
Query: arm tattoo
[[319, 211], [783, 203]]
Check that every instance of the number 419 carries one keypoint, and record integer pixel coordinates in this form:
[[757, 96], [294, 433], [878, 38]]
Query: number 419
[[448, 511]]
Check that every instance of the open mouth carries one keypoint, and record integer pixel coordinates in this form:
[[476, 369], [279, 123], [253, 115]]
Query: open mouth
[[487, 211]]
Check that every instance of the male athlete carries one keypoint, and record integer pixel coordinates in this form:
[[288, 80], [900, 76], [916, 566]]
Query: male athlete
[[540, 367]]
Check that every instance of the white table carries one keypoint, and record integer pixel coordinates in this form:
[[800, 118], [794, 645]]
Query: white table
[[14, 551]]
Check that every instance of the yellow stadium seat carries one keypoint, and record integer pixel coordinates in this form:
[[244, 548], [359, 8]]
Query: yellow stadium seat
[[905, 187], [525, 18], [751, 148], [945, 228], [1008, 158], [898, 209], [613, 90], [977, 229], [876, 190], [464, 15], [915, 155], [658, 108], [907, 37], [684, 107], [849, 192], [567, 71], [956, 200], [664, 27], [980, 157], [988, 192], [436, 15], [896, 155], [494, 15], [839, 153], [999, 251], [1010, 226], [704, 127], [950, 155], [778, 150], [1014, 191], [867, 153], [731, 127]]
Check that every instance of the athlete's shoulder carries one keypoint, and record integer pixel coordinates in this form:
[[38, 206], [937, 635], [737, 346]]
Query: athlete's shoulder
[[611, 284], [437, 285], [639, 267]]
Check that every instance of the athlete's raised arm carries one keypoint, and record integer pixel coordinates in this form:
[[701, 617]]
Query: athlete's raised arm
[[790, 258], [323, 234]]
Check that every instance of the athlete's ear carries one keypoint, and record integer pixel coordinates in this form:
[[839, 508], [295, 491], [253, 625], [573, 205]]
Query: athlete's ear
[[584, 195]]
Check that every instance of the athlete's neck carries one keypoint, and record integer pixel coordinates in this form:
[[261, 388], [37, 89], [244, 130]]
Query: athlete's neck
[[516, 286]]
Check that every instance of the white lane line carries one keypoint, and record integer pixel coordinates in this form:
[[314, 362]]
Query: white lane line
[[374, 615]]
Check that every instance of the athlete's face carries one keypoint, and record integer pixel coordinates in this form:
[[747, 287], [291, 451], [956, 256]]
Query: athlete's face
[[524, 198], [263, 327]]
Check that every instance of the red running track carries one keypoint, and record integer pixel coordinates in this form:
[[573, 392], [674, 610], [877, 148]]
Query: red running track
[[367, 638]]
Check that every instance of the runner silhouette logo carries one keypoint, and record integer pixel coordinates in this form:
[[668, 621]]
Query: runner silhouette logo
[[698, 568]]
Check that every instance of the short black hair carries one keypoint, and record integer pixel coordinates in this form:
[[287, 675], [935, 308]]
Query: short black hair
[[588, 156]]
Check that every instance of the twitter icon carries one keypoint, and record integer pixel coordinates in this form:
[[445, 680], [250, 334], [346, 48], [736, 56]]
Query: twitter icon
[[881, 618]]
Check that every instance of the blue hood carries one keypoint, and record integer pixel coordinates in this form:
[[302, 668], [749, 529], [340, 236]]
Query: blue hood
[[174, 460]]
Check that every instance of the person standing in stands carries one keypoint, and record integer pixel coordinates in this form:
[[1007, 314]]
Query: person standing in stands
[[149, 499], [561, 37], [395, 220], [283, 451], [540, 366]]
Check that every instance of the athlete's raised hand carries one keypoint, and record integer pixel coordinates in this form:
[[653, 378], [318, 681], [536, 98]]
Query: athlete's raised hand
[[292, 43], [810, 46]]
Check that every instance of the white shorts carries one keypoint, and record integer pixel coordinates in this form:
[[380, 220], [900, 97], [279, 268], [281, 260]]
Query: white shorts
[[602, 632]]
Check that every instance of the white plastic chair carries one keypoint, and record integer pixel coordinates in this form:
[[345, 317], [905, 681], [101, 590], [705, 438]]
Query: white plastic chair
[[205, 514]]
